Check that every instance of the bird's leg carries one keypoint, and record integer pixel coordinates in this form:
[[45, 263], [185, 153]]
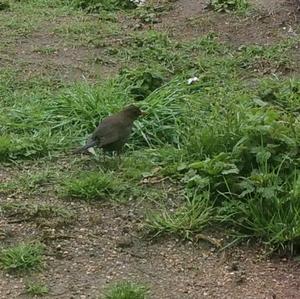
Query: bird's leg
[[103, 157], [119, 157]]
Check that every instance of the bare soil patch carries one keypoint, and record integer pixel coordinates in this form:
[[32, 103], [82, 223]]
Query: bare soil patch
[[270, 21], [46, 54]]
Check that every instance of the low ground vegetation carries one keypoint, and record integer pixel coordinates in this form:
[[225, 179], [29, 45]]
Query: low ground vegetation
[[228, 143]]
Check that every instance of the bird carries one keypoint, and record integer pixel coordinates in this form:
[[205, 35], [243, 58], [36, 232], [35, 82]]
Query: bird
[[114, 130]]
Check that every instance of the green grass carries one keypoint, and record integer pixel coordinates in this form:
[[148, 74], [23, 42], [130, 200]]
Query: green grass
[[4, 5], [189, 219], [84, 31], [268, 210], [22, 257], [110, 5], [94, 186], [5, 147], [49, 123], [33, 181], [27, 16], [45, 50], [229, 5], [45, 125], [36, 289], [126, 290]]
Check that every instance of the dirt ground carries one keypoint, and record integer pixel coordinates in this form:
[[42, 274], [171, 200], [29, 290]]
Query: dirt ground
[[276, 19], [103, 244], [271, 21], [106, 247]]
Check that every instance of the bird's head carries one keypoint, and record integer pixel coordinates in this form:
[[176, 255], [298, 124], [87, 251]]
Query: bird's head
[[133, 112]]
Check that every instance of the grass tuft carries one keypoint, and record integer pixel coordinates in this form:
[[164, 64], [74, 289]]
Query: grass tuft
[[94, 186], [22, 257], [126, 290], [271, 214], [36, 289], [98, 5], [229, 5], [5, 147], [191, 218], [4, 5]]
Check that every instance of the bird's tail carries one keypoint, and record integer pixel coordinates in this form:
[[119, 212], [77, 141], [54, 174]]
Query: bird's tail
[[89, 144]]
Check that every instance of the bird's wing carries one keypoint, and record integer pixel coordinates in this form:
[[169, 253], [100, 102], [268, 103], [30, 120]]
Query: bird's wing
[[108, 131]]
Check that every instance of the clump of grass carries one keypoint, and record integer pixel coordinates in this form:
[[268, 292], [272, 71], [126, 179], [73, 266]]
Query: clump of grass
[[82, 106], [265, 59], [167, 114], [4, 5], [135, 166], [98, 5], [233, 146], [229, 5], [191, 218], [94, 186], [142, 82], [156, 49], [21, 257], [83, 31], [149, 13], [126, 290], [43, 126], [208, 44], [5, 147], [269, 212], [29, 145], [46, 50], [36, 289], [283, 94]]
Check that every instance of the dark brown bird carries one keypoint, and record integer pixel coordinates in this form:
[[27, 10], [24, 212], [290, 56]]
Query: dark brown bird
[[113, 132]]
